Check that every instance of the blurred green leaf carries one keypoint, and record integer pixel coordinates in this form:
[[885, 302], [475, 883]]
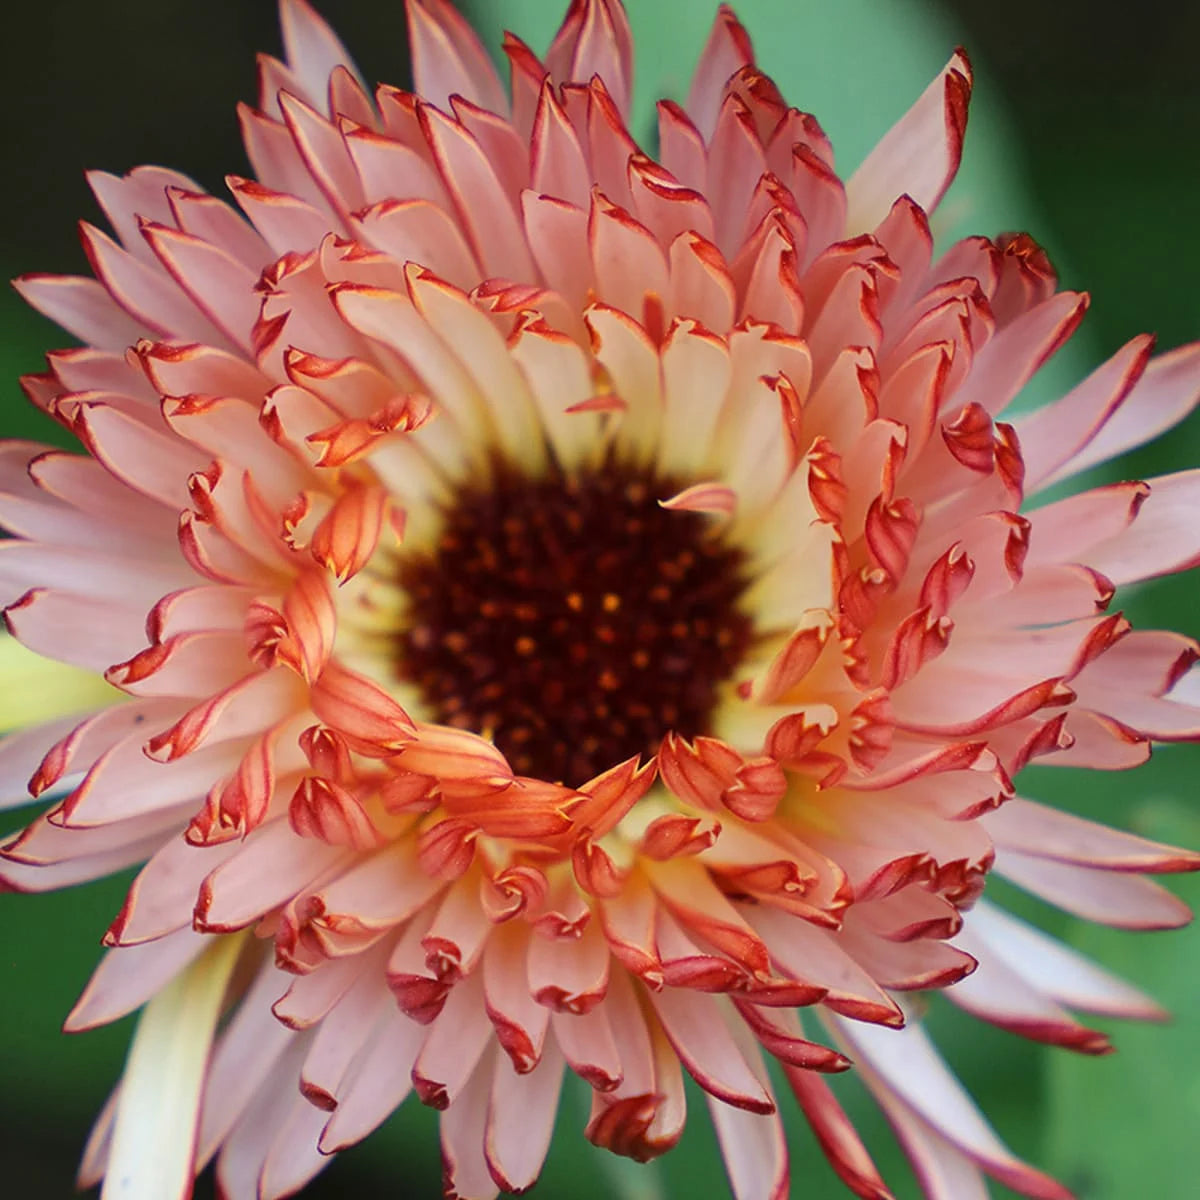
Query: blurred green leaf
[[1126, 1125]]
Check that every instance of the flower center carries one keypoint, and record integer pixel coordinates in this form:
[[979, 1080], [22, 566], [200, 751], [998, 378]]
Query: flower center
[[573, 619]]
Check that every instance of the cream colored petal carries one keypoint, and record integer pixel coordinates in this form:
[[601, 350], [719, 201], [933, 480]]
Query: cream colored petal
[[154, 1139]]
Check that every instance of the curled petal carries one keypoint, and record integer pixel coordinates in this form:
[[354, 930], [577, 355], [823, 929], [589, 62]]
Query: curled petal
[[323, 809], [368, 717]]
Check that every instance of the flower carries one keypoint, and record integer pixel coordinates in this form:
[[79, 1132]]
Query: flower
[[572, 612]]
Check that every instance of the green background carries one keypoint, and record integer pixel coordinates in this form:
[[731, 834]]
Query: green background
[[1085, 130]]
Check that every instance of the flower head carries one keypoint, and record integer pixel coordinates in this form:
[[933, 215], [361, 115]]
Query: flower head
[[577, 612]]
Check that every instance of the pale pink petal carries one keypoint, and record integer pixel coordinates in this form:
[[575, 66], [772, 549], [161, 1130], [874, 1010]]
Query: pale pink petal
[[376, 1084], [1061, 972], [292, 1158], [83, 307], [127, 977], [1001, 992], [913, 1082], [1050, 833], [448, 58], [244, 1151], [812, 955], [1058, 433], [695, 1025], [944, 1171], [313, 50], [754, 1150], [463, 1129], [241, 890], [728, 50], [589, 1047], [161, 898], [37, 877], [218, 284], [1167, 391], [69, 628], [216, 223], [520, 1120], [919, 155], [245, 1057], [341, 1037], [492, 228], [322, 148], [595, 39], [146, 292], [1162, 540], [1120, 900], [455, 1043], [1018, 350], [20, 754]]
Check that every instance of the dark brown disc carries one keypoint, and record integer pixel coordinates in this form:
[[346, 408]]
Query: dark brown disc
[[573, 619]]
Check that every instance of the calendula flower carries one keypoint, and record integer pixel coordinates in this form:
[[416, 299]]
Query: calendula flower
[[572, 611]]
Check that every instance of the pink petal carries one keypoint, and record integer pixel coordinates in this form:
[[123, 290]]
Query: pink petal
[[1166, 392], [456, 1040], [697, 1029], [1120, 900], [215, 222], [728, 50], [377, 1083], [449, 59], [313, 50], [520, 1120], [945, 1173], [127, 977], [77, 868], [1001, 993], [463, 1128], [1055, 436], [146, 292], [1162, 540], [812, 955], [754, 1150], [595, 39], [1051, 833], [218, 284], [264, 1112], [292, 1158], [919, 155], [569, 974], [272, 865], [493, 227], [162, 897], [908, 1077], [1061, 972], [83, 307], [322, 149], [338, 1040], [309, 997], [22, 751], [1019, 350], [837, 1135], [587, 1043]]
